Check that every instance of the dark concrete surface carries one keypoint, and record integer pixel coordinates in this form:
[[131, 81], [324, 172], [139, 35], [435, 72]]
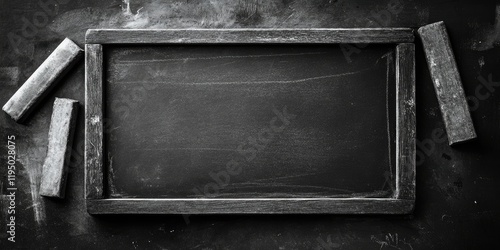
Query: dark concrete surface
[[457, 188]]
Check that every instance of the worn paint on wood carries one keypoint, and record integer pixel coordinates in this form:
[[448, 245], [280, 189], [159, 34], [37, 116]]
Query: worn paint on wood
[[94, 158], [251, 206], [221, 36], [406, 116]]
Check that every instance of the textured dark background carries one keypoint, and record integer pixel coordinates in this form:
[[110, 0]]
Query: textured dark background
[[457, 188]]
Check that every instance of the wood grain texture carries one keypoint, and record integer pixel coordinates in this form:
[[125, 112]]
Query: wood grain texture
[[406, 121], [250, 206], [207, 36], [94, 121], [447, 83], [45, 78], [55, 167]]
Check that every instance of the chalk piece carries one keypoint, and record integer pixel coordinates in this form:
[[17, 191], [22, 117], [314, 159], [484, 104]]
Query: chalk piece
[[447, 83], [43, 80], [61, 131]]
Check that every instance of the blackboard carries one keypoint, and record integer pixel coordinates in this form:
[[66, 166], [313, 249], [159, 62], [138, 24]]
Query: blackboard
[[275, 122]]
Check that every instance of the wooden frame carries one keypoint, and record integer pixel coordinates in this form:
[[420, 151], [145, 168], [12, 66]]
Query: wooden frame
[[403, 199]]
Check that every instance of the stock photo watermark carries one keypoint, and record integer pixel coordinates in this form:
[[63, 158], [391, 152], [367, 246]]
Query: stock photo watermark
[[11, 188]]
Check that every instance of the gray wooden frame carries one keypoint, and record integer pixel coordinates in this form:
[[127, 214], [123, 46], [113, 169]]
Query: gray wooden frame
[[403, 199]]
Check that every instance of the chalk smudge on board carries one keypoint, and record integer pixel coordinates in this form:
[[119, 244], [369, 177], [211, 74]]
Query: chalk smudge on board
[[126, 9], [481, 62], [38, 207], [32, 159], [393, 241], [111, 177], [215, 57], [163, 14], [300, 80]]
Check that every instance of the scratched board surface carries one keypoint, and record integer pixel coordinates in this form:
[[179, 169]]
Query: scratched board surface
[[239, 121]]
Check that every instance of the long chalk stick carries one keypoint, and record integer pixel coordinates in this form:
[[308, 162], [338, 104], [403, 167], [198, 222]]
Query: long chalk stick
[[447, 83], [43, 80], [55, 167]]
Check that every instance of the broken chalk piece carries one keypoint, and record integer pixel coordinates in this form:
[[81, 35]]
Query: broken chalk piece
[[447, 83], [43, 80], [55, 167]]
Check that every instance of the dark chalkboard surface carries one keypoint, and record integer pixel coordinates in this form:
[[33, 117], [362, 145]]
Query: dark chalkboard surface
[[242, 121]]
